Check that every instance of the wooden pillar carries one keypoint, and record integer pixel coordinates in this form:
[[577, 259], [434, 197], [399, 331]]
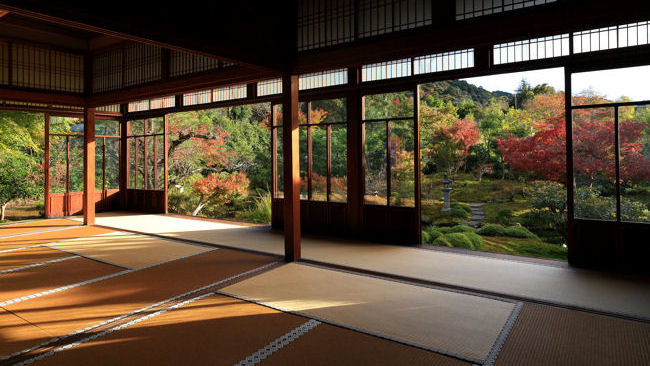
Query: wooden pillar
[[46, 167], [291, 168], [124, 162], [166, 166], [89, 166], [416, 154], [355, 161]]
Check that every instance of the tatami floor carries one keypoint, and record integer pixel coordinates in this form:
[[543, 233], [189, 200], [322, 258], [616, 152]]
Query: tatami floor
[[155, 289]]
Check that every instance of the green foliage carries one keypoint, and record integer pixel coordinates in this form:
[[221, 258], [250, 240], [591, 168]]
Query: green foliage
[[491, 230], [519, 232], [433, 233], [525, 247], [504, 216], [16, 179], [459, 213], [261, 210], [476, 239], [426, 238], [442, 241], [461, 229], [463, 206], [589, 203], [459, 240]]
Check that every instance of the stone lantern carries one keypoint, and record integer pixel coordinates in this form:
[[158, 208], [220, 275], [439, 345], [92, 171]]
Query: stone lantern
[[446, 188]]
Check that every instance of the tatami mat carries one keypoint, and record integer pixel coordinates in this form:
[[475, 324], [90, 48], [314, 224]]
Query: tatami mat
[[34, 280], [216, 330], [444, 321], [35, 226], [545, 335], [328, 345], [65, 312], [20, 258], [570, 286], [17, 334], [129, 250], [22, 241]]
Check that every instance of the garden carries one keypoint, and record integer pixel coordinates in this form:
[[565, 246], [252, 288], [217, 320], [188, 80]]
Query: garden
[[494, 167]]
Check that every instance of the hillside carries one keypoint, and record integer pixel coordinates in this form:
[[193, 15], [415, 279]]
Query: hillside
[[459, 90]]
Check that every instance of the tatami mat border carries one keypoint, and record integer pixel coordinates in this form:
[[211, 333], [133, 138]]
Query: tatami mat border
[[134, 321], [39, 232], [16, 269], [477, 291], [279, 343], [191, 241], [496, 347], [93, 280]]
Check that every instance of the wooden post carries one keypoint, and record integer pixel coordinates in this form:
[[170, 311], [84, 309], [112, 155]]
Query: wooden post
[[416, 154], [46, 167], [291, 168], [166, 169], [124, 160], [89, 166], [355, 146]]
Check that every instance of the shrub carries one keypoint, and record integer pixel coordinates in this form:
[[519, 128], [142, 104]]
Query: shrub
[[445, 229], [442, 241], [434, 234], [459, 213], [461, 206], [461, 229], [426, 238], [261, 209], [519, 232], [477, 240], [459, 240], [504, 216], [492, 230]]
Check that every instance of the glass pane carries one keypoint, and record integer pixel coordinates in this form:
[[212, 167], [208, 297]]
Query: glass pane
[[594, 164], [614, 85], [402, 163], [330, 110], [634, 148], [151, 163], [57, 164], [389, 105], [493, 158], [132, 163], [302, 113], [277, 115], [339, 162], [112, 163], [303, 158], [107, 128], [66, 125], [375, 161], [136, 128], [76, 164], [99, 159], [279, 171], [319, 163], [160, 178]]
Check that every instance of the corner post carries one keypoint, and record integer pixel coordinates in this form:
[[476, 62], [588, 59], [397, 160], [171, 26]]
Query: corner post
[[291, 168], [89, 166]]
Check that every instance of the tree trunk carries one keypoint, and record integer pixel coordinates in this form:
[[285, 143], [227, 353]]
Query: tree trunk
[[503, 169], [198, 208], [2, 211]]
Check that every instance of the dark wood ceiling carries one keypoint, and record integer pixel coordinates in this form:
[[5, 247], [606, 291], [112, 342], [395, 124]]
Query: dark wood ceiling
[[258, 34]]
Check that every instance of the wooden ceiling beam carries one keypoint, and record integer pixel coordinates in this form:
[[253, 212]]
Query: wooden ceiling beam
[[223, 77], [41, 97]]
